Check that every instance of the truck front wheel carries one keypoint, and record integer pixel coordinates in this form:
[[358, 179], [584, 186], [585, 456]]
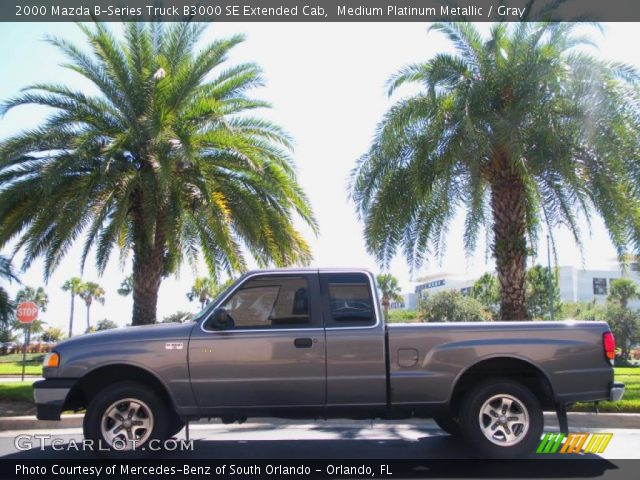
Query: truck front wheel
[[125, 417], [502, 419]]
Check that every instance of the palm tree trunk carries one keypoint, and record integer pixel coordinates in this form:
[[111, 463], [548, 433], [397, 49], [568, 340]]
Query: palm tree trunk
[[88, 317], [509, 241], [147, 275], [148, 269], [73, 301], [385, 306]]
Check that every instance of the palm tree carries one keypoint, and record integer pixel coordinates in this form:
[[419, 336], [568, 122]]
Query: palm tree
[[29, 330], [521, 130], [6, 305], [164, 163], [622, 290], [41, 299], [89, 292], [203, 289], [35, 295], [390, 290], [52, 334], [73, 286], [126, 286]]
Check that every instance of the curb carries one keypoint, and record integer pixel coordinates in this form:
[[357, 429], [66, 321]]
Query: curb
[[577, 420]]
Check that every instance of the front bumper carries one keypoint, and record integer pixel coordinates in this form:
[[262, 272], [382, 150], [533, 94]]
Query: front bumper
[[616, 391], [50, 395]]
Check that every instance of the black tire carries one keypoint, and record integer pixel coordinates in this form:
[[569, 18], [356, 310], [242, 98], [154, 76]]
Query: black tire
[[122, 399], [515, 432], [449, 424]]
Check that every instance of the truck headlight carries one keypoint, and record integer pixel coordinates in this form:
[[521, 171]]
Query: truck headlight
[[51, 360]]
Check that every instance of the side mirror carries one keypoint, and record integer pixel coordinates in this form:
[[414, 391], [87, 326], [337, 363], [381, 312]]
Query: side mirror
[[220, 319]]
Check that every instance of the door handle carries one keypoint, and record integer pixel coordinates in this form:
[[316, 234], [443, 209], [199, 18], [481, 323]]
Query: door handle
[[303, 342]]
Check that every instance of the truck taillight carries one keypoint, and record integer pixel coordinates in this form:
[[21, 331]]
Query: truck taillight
[[609, 345]]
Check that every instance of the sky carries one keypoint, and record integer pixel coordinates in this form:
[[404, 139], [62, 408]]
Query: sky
[[326, 83]]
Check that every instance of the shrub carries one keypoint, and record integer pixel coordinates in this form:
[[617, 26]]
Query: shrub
[[403, 316], [452, 306]]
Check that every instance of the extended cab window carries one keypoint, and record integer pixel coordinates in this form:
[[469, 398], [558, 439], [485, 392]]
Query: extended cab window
[[270, 302], [350, 300]]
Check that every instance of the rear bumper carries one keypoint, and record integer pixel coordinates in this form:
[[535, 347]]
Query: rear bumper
[[616, 391], [50, 396]]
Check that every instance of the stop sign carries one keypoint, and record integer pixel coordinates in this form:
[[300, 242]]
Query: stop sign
[[27, 312]]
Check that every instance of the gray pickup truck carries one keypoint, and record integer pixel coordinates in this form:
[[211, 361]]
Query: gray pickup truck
[[308, 343]]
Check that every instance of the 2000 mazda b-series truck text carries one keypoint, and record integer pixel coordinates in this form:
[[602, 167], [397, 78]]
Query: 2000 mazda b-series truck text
[[308, 343]]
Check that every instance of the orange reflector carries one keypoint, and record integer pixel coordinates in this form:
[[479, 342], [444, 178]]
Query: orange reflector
[[52, 360]]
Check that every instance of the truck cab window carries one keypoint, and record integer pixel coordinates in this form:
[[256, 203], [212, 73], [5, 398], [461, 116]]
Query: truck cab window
[[270, 302], [350, 300]]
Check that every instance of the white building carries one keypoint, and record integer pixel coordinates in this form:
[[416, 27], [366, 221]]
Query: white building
[[575, 284]]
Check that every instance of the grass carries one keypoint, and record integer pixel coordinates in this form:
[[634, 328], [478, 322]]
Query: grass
[[12, 364], [16, 391], [16, 399], [17, 357], [15, 368]]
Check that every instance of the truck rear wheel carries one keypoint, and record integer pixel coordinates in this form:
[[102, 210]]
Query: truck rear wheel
[[125, 417], [502, 419]]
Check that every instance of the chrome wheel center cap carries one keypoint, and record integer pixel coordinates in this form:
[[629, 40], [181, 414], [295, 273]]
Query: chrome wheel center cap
[[126, 423], [502, 419]]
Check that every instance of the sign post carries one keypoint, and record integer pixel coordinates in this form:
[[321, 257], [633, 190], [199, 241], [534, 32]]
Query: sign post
[[27, 312]]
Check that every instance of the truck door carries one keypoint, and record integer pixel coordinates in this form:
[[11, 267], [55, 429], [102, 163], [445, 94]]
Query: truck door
[[356, 368], [272, 352]]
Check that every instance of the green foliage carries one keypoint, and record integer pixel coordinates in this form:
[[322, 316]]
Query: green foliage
[[451, 306], [623, 290], [487, 291], [52, 334], [624, 322], [403, 316], [17, 391], [126, 286], [512, 112], [90, 291], [389, 288], [7, 307], [205, 289], [7, 335], [35, 295], [625, 325], [582, 311], [178, 317], [166, 162], [106, 324], [73, 285], [537, 293], [37, 327]]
